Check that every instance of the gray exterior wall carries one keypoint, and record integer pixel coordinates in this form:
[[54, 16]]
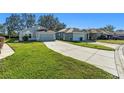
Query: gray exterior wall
[[69, 36], [38, 36], [60, 36], [79, 36], [74, 36]]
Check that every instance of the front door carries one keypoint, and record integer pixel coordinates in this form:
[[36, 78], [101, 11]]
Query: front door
[[81, 38]]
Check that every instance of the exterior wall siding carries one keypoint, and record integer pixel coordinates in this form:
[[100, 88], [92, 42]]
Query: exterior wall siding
[[38, 36], [69, 36], [77, 36], [59, 36]]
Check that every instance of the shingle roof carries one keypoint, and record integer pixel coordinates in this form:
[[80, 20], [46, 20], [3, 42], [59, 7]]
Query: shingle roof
[[99, 31], [93, 30], [64, 30], [73, 30], [118, 33], [34, 28], [40, 27], [50, 31], [70, 30]]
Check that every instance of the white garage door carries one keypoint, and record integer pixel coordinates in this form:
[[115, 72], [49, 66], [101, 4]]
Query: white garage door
[[46, 37]]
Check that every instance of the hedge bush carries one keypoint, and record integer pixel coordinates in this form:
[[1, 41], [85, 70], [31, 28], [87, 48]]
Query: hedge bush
[[25, 38]]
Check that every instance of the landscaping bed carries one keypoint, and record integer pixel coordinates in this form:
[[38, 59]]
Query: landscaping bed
[[112, 41], [95, 46], [33, 60]]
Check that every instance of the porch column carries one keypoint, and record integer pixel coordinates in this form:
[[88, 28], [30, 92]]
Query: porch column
[[87, 36]]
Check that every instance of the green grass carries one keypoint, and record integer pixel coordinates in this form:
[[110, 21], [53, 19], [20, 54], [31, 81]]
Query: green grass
[[112, 41], [33, 60], [95, 46]]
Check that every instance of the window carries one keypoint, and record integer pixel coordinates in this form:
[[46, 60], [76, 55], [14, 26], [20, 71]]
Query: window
[[81, 38], [29, 35]]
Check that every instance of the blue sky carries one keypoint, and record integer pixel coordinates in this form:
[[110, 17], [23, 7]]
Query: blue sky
[[84, 20]]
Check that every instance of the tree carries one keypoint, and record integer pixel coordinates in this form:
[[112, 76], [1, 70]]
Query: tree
[[1, 26], [109, 28], [1, 29], [50, 22], [27, 20], [13, 23], [60, 26]]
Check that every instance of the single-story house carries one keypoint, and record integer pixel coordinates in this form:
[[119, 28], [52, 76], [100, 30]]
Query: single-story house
[[60, 35], [94, 34], [118, 35], [37, 33], [71, 34]]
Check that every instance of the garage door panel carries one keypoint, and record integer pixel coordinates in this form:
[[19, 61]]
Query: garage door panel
[[46, 37]]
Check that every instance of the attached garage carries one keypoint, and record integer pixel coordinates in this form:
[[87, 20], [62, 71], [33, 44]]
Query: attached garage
[[45, 36]]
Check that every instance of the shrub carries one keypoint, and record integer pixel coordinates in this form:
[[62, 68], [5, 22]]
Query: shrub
[[102, 37], [2, 34], [25, 38]]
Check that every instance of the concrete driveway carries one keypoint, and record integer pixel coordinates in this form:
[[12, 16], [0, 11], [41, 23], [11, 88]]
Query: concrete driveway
[[119, 59], [100, 58]]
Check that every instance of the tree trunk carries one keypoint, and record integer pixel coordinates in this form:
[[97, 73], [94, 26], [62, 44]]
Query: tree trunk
[[9, 34]]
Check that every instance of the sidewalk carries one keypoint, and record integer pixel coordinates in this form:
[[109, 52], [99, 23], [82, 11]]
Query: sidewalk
[[6, 51]]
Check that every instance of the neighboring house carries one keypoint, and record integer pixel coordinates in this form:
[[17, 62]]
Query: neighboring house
[[37, 33], [94, 34], [118, 35], [71, 34], [120, 30], [60, 35]]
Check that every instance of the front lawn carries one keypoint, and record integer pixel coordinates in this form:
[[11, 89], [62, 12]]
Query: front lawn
[[112, 41], [96, 46], [33, 60]]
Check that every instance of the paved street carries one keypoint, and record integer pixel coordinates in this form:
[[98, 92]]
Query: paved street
[[100, 58]]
